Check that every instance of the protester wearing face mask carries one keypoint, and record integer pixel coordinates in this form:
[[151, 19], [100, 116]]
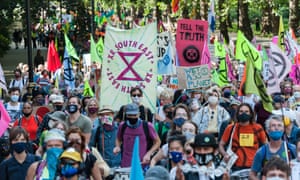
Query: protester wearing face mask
[[136, 95], [280, 108], [128, 130], [18, 81], [70, 165], [92, 108], [165, 98], [13, 107], [16, 166], [29, 121], [210, 118], [104, 136], [76, 119], [52, 148], [276, 169], [247, 136], [275, 147], [56, 114]]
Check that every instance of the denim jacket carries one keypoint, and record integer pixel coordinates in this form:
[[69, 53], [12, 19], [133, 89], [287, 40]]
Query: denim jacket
[[202, 118], [106, 148]]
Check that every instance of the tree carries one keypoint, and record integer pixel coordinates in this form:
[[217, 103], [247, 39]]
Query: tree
[[244, 21], [293, 14]]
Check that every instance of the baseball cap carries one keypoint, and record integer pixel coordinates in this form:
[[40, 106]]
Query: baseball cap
[[157, 173], [58, 99], [204, 140], [72, 154], [132, 109]]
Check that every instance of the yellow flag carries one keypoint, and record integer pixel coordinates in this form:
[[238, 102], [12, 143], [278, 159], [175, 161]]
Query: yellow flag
[[281, 34], [87, 91]]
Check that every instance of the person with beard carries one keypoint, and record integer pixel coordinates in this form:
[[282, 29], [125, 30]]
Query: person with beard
[[206, 160], [135, 126], [136, 95], [210, 118], [76, 119], [104, 136], [52, 147], [29, 121], [16, 166], [247, 136]]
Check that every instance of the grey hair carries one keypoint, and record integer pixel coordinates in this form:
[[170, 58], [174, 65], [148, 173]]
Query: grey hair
[[272, 117]]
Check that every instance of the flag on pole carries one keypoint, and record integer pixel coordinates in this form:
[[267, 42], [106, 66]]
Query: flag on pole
[[175, 5], [3, 84], [229, 69], [136, 172], [244, 50], [68, 71], [280, 42], [87, 90], [205, 58], [222, 73], [4, 119], [96, 50], [211, 16], [219, 49], [255, 85], [56, 83], [165, 65], [71, 50], [53, 58]]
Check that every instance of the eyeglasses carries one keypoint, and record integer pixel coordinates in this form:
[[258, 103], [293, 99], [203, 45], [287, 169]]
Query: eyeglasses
[[135, 95]]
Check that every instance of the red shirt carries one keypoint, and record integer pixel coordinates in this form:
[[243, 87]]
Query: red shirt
[[30, 125]]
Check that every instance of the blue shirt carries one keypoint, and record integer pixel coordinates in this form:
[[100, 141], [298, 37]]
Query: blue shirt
[[11, 169], [263, 155]]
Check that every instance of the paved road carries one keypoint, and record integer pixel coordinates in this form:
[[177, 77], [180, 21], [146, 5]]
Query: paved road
[[14, 57]]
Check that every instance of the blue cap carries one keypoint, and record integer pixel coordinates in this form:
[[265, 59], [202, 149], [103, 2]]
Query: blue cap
[[132, 109]]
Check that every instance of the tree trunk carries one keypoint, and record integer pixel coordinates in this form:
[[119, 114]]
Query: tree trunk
[[266, 21], [229, 21], [204, 10], [244, 21], [293, 15], [198, 9], [223, 19]]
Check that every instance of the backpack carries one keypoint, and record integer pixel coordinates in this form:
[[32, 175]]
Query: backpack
[[36, 119], [264, 150], [146, 132], [23, 82]]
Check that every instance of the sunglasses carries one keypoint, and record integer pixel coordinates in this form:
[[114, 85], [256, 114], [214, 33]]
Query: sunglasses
[[68, 161], [135, 95]]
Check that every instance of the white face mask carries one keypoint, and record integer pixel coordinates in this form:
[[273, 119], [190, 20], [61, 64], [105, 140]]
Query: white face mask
[[212, 100], [197, 96], [274, 178], [136, 99], [194, 105]]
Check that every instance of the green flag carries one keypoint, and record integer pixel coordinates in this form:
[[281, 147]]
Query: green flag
[[281, 34], [96, 50], [71, 50], [87, 90], [245, 49], [219, 49], [222, 73], [255, 85]]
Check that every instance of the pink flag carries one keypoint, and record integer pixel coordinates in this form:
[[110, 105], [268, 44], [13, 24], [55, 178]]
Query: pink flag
[[52, 58], [230, 70], [206, 55], [4, 119], [295, 74]]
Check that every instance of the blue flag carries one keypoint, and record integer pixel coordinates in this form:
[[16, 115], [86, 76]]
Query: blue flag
[[68, 71], [165, 65], [136, 172]]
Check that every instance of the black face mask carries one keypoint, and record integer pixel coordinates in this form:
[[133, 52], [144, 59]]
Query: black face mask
[[169, 115], [132, 121], [58, 107], [27, 114], [243, 117], [204, 159]]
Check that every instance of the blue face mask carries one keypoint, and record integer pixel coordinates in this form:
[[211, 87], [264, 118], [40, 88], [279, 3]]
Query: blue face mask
[[275, 135], [19, 147], [189, 135], [68, 171], [175, 156], [14, 98], [51, 159]]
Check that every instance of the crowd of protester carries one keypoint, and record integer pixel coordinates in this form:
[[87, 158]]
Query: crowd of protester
[[204, 133]]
